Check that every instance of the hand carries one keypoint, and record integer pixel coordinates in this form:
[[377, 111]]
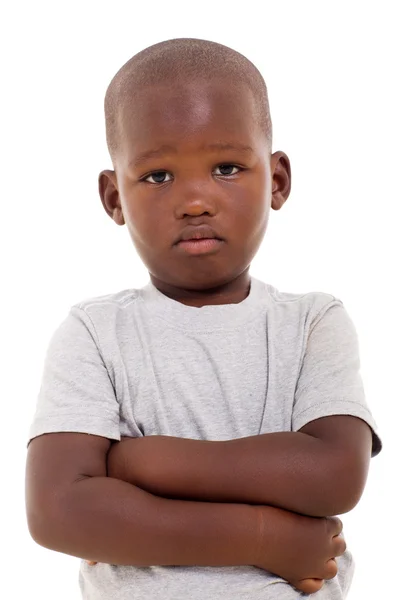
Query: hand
[[304, 548]]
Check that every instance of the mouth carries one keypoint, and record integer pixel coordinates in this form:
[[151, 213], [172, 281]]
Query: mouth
[[199, 232], [200, 246]]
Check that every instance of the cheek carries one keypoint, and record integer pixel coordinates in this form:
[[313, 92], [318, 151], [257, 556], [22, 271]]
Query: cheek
[[150, 237], [252, 208], [143, 224]]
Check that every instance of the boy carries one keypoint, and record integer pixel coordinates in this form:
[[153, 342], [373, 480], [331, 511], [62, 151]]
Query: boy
[[240, 409]]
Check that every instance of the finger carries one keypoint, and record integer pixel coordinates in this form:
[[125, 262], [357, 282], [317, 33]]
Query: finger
[[91, 562], [337, 525], [331, 569], [339, 545], [308, 586]]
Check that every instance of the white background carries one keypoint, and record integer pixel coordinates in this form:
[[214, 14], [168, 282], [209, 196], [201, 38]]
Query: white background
[[332, 75]]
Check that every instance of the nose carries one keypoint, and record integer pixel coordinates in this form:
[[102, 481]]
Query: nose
[[195, 200]]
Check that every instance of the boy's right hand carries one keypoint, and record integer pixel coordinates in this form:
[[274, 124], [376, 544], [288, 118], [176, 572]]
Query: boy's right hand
[[298, 548]]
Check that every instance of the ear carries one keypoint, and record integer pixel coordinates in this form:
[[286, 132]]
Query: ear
[[281, 179], [109, 194]]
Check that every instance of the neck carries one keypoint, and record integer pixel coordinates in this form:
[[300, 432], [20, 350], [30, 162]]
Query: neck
[[232, 292]]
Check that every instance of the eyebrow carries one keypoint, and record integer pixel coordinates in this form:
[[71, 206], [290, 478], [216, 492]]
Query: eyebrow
[[166, 149]]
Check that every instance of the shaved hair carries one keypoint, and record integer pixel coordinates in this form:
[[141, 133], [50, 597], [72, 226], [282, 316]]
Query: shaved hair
[[182, 61]]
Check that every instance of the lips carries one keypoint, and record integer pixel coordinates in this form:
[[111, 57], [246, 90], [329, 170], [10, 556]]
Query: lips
[[200, 247], [199, 232]]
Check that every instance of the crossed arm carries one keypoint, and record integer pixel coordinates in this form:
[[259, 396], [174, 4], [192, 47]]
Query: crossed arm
[[320, 470]]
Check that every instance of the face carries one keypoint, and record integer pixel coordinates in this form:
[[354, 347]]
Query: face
[[191, 177]]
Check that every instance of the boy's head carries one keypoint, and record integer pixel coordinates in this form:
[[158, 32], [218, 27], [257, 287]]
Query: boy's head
[[199, 112]]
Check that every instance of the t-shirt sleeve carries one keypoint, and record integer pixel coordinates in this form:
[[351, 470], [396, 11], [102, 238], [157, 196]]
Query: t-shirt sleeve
[[329, 382], [76, 393]]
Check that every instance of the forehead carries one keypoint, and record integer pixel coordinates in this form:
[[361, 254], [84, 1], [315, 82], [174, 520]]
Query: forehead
[[184, 113]]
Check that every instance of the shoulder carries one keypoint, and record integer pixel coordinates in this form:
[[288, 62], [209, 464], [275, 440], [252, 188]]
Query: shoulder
[[103, 319], [103, 310], [306, 307], [312, 298], [108, 302]]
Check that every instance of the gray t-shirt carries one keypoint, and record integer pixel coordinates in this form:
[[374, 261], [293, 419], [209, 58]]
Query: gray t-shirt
[[138, 363]]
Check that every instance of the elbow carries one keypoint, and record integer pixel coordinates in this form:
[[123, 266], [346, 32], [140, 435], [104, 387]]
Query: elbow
[[40, 526], [47, 520], [348, 499], [339, 504], [335, 502], [344, 486]]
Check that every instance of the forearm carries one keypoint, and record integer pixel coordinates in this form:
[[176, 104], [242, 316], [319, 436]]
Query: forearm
[[111, 521], [285, 469]]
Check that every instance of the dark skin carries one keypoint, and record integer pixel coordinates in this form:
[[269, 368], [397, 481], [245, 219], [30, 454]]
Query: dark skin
[[194, 191], [159, 197]]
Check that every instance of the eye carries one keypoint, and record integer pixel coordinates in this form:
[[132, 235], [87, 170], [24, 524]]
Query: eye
[[155, 176], [227, 166], [159, 176]]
